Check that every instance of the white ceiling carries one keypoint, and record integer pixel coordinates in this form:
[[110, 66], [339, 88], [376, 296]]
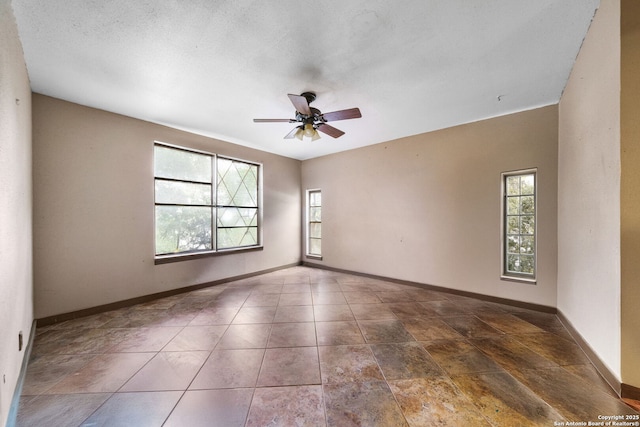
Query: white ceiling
[[211, 66]]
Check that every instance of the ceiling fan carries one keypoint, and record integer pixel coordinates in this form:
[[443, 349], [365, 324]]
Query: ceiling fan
[[313, 120]]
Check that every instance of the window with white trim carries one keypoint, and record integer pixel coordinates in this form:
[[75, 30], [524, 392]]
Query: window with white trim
[[314, 223], [204, 202], [519, 225]]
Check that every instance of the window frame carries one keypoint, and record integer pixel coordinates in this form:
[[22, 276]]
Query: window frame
[[308, 223], [504, 274], [258, 202], [214, 251]]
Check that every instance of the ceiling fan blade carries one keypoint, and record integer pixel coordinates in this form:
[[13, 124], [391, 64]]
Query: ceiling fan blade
[[351, 113], [273, 120], [330, 130], [292, 134], [301, 104]]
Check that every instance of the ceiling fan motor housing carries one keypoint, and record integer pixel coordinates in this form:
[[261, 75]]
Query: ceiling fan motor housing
[[310, 96], [315, 117]]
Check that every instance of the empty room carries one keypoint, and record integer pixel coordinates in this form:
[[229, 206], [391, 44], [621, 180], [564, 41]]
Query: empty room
[[333, 214]]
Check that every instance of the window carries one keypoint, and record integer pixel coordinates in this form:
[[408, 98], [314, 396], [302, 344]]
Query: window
[[237, 202], [314, 223], [204, 202], [519, 225]]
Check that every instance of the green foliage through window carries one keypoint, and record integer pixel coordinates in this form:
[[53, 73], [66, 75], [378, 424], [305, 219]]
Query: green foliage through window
[[520, 224], [195, 212]]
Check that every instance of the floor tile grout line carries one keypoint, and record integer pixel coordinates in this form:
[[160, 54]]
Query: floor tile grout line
[[315, 329], [99, 406], [324, 398], [184, 392], [386, 381]]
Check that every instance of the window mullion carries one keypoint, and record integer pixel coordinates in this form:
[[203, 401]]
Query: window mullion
[[159, 178], [184, 205], [214, 199]]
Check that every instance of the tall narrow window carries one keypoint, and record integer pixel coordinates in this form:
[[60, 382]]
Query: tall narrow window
[[519, 224], [314, 223], [204, 202]]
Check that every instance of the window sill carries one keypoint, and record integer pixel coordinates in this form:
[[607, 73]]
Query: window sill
[[318, 257], [518, 279], [166, 259]]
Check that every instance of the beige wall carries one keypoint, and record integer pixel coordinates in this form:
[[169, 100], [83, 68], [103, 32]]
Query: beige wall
[[427, 208], [630, 196], [589, 189], [16, 298], [93, 204]]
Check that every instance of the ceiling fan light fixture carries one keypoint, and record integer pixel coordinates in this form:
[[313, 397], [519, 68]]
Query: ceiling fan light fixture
[[308, 130], [299, 133], [311, 132]]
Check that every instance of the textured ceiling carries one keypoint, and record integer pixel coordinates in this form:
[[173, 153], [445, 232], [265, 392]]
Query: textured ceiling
[[211, 66]]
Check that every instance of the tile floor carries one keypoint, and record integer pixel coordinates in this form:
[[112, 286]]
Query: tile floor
[[309, 347]]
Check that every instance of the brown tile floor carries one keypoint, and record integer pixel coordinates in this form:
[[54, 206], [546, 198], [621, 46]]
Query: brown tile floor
[[308, 347]]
